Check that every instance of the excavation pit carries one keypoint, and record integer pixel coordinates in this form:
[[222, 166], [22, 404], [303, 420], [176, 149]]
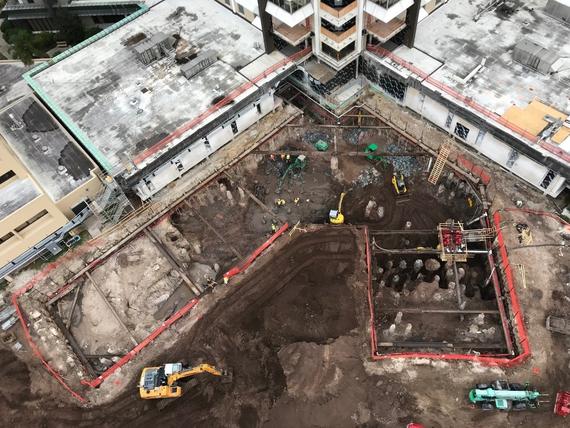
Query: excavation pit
[[301, 304]]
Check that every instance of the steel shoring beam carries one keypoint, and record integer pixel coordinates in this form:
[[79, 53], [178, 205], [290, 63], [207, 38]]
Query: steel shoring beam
[[94, 356], [404, 232], [313, 125], [72, 342], [214, 231], [194, 288], [406, 251], [112, 309], [443, 345], [73, 304], [334, 153], [256, 199], [458, 289], [440, 311]]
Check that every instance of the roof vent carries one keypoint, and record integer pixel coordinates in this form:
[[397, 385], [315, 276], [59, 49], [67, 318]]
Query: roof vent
[[534, 56], [198, 64], [153, 49]]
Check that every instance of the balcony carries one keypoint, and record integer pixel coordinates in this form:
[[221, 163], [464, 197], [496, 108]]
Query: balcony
[[385, 31], [290, 12], [338, 16], [338, 59], [386, 10], [292, 35], [338, 41]]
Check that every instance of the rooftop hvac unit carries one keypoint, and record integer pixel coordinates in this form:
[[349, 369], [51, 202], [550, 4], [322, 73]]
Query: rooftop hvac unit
[[155, 48], [534, 56], [198, 64]]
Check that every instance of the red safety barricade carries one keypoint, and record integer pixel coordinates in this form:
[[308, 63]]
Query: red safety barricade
[[239, 269]]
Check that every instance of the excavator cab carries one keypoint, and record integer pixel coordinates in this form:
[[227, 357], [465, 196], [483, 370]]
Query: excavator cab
[[399, 184]]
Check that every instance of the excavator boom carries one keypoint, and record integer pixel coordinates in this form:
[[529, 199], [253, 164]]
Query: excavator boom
[[202, 368]]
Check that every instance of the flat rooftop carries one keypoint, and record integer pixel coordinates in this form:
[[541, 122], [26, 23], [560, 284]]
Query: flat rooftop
[[15, 195], [45, 148], [452, 42], [12, 86], [125, 107]]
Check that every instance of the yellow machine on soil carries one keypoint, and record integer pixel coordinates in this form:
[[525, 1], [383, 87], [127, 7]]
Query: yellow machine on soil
[[336, 216], [400, 188], [162, 382]]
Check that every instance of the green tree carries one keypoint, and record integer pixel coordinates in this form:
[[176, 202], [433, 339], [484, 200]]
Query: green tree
[[22, 45]]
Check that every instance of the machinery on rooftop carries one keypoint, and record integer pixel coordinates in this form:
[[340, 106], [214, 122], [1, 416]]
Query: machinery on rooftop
[[336, 216], [502, 395], [163, 381]]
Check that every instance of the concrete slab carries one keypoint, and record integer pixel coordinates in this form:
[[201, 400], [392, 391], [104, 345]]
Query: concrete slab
[[460, 35], [125, 107], [45, 148]]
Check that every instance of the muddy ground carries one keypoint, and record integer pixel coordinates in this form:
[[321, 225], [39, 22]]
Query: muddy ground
[[294, 329]]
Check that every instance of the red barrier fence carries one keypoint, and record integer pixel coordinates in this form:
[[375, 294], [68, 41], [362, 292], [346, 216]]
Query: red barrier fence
[[137, 349], [224, 102], [474, 169], [373, 341], [470, 103], [31, 284], [239, 269], [502, 360], [38, 354], [147, 341]]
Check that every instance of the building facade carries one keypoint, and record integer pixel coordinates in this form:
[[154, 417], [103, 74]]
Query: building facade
[[45, 178], [377, 40]]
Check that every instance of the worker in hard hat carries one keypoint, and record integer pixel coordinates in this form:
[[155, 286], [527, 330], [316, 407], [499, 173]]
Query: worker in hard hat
[[280, 202]]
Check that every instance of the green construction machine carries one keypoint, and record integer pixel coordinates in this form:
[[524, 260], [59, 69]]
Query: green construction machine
[[371, 149], [502, 395]]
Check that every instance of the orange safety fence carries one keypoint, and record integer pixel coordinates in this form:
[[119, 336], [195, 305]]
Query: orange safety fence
[[137, 349], [468, 101], [239, 269], [225, 101], [502, 360], [38, 353], [147, 341], [474, 169], [373, 340], [24, 323]]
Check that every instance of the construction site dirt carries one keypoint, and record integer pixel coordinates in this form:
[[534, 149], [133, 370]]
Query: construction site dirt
[[294, 328]]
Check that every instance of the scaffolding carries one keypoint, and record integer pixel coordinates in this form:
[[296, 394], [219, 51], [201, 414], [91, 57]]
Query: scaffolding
[[111, 204]]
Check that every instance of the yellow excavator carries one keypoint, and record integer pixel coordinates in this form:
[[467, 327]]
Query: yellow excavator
[[336, 216], [162, 382]]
